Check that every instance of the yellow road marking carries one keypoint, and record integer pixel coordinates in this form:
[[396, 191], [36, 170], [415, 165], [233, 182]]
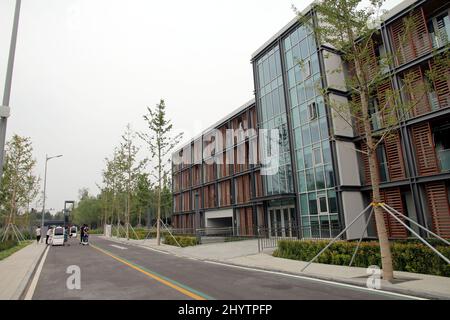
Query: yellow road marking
[[163, 281]]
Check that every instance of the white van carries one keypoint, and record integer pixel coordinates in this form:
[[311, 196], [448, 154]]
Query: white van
[[73, 232], [58, 236]]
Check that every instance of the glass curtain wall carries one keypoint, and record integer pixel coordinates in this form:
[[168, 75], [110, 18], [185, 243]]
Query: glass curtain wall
[[317, 197], [272, 108]]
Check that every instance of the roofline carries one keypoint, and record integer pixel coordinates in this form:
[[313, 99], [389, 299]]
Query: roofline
[[280, 33], [218, 123], [398, 10]]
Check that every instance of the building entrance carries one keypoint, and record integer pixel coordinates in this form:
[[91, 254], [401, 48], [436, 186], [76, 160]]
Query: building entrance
[[282, 222]]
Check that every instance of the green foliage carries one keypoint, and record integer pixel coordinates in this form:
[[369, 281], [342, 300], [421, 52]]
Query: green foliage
[[410, 257], [88, 211], [184, 241], [12, 249], [8, 244], [19, 186]]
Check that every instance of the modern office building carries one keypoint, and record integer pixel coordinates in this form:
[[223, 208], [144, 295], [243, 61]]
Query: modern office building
[[322, 182]]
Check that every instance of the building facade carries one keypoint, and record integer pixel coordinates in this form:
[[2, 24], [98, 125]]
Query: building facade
[[322, 182]]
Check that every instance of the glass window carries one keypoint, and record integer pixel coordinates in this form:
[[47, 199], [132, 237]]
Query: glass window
[[309, 88], [277, 64], [382, 163], [298, 137], [304, 207], [298, 74], [276, 102], [294, 101], [305, 134], [322, 203], [326, 152], [294, 37], [291, 78], [289, 59], [296, 56], [332, 201], [320, 181], [329, 176], [266, 72], [302, 32], [312, 200], [310, 180], [308, 157], [314, 64], [282, 101], [312, 43], [301, 93], [270, 106], [272, 68], [295, 116], [302, 181], [317, 156], [315, 136], [300, 164], [304, 49], [287, 43], [324, 127], [303, 113]]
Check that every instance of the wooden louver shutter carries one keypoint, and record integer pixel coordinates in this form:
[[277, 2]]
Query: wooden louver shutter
[[365, 163], [413, 44], [441, 81], [394, 156], [359, 125], [438, 204], [393, 198], [386, 102], [369, 61], [425, 152], [416, 90]]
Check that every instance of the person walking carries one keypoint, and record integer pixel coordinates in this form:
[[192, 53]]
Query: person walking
[[81, 234], [38, 234], [49, 232]]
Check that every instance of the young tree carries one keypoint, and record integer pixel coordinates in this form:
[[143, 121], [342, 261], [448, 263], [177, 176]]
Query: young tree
[[143, 195], [19, 186], [160, 142], [114, 184], [130, 168], [350, 29]]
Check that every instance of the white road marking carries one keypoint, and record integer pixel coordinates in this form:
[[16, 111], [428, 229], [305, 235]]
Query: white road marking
[[32, 287], [320, 280], [118, 247]]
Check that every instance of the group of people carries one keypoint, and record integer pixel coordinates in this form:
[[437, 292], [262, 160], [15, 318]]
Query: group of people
[[39, 234], [83, 233]]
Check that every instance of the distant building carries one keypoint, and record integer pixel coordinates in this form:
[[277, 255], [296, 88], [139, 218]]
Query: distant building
[[322, 183]]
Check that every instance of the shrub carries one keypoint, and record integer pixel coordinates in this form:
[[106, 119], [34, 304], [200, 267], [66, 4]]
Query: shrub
[[184, 241], [407, 255], [8, 244]]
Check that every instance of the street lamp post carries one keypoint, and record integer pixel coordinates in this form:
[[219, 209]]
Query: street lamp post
[[47, 158], [4, 107]]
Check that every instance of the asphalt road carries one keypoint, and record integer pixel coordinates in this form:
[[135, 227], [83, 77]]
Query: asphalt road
[[115, 271]]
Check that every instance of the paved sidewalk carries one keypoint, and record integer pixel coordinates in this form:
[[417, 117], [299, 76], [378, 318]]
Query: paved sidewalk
[[16, 270], [245, 254]]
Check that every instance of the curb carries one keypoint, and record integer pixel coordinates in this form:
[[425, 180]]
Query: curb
[[385, 287], [20, 292]]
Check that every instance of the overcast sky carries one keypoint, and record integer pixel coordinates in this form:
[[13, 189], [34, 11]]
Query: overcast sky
[[86, 68]]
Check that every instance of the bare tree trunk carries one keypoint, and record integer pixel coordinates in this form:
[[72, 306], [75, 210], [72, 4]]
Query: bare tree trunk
[[158, 235], [385, 249]]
